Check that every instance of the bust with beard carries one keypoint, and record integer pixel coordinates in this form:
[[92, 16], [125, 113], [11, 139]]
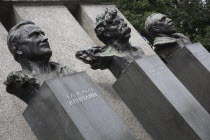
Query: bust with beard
[[117, 52]]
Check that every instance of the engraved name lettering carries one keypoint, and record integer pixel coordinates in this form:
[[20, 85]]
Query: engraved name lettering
[[81, 95], [202, 55], [156, 71]]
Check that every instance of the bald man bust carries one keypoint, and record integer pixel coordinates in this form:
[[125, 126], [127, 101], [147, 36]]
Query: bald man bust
[[166, 41]]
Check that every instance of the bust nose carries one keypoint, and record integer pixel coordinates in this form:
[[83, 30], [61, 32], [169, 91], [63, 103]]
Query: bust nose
[[125, 24], [44, 39], [169, 20]]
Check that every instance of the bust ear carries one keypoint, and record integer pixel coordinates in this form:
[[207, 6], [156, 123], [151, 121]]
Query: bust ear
[[155, 29], [16, 49]]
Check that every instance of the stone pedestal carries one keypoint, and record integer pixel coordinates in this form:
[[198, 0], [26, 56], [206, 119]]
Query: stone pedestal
[[165, 108], [191, 65], [71, 107]]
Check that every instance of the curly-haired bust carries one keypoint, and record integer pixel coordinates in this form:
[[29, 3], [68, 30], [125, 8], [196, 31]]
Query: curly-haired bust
[[166, 41], [117, 53], [30, 48]]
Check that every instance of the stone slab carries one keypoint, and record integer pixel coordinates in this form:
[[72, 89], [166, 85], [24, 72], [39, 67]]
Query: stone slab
[[87, 15], [165, 108], [191, 66], [66, 37], [71, 107]]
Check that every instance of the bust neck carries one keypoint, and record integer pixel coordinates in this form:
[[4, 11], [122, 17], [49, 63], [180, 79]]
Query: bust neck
[[36, 67], [120, 46]]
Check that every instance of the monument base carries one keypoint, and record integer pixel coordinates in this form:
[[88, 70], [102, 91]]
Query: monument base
[[71, 107], [191, 65], [161, 103]]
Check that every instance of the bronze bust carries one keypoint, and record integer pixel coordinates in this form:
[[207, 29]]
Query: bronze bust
[[30, 48], [117, 53], [166, 41]]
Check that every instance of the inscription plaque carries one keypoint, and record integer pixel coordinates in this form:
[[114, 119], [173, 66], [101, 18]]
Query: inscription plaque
[[161, 103], [191, 65], [71, 107], [81, 95]]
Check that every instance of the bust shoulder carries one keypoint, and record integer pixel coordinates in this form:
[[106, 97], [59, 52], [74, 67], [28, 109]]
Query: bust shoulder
[[163, 41]]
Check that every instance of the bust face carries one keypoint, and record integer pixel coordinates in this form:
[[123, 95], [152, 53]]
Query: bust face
[[163, 24], [113, 28], [33, 44], [118, 29]]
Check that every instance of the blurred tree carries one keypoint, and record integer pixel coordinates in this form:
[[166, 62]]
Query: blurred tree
[[191, 17]]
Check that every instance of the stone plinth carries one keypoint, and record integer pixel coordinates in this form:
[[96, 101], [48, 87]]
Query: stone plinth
[[191, 65], [165, 108], [71, 107]]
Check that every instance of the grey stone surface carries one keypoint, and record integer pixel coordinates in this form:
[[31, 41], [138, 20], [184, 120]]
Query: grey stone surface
[[13, 125], [71, 107], [191, 65], [66, 37], [161, 103], [87, 16]]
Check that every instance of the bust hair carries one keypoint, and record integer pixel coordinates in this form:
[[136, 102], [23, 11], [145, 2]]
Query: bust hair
[[149, 23], [14, 35], [101, 22]]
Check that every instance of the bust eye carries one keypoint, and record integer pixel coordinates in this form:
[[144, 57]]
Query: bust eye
[[31, 35], [116, 22], [162, 19], [36, 34], [43, 33]]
